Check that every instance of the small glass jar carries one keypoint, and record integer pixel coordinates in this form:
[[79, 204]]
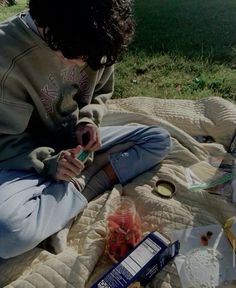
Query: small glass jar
[[123, 227]]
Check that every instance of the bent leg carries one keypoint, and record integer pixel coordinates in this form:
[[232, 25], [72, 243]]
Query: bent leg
[[33, 208], [150, 145]]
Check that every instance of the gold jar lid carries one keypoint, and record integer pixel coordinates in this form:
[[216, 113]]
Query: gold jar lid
[[164, 189]]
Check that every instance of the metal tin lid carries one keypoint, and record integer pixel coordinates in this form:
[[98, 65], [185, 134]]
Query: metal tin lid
[[164, 189]]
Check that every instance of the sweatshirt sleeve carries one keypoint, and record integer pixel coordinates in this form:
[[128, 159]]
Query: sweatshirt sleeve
[[17, 149], [17, 152], [96, 109]]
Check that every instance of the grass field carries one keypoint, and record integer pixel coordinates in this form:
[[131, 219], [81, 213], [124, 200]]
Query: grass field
[[8, 11], [182, 49]]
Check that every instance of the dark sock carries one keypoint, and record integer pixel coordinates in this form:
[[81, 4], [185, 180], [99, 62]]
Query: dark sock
[[98, 184]]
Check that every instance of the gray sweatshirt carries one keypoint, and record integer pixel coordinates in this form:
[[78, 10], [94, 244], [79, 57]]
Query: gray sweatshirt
[[42, 99]]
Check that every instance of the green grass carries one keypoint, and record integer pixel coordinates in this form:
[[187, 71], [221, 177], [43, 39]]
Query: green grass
[[5, 12], [194, 28], [182, 49], [173, 76]]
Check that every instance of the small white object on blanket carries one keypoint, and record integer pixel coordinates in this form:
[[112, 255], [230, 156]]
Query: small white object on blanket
[[203, 268]]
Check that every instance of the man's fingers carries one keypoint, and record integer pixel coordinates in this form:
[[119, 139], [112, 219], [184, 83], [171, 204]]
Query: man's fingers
[[74, 162], [69, 168], [65, 174], [94, 143], [97, 144], [61, 176]]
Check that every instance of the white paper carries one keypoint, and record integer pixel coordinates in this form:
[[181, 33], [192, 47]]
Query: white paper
[[190, 242]]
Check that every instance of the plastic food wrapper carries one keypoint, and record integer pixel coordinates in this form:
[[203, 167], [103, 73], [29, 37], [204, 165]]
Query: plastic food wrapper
[[206, 258], [83, 155], [215, 176], [225, 162]]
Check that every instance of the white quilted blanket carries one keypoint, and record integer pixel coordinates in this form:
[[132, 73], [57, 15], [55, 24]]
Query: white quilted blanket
[[83, 260]]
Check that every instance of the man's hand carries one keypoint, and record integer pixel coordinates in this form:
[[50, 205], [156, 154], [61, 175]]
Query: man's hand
[[88, 136], [68, 166]]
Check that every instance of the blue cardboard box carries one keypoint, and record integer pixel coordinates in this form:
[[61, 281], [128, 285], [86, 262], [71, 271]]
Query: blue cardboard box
[[141, 264]]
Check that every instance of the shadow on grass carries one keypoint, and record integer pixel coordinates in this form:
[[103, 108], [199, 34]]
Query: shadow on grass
[[192, 28]]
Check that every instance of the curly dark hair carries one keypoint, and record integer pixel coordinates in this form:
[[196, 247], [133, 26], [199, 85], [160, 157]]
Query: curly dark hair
[[87, 29]]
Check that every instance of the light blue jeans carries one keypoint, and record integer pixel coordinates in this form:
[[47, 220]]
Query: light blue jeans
[[33, 208]]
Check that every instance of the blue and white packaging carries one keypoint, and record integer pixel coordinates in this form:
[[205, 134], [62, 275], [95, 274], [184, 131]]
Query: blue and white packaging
[[141, 264]]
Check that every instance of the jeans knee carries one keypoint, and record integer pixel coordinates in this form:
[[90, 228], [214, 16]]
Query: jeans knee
[[161, 138], [14, 243], [167, 142], [16, 236]]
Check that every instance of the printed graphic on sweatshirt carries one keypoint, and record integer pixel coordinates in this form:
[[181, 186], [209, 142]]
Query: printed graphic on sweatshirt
[[48, 96], [53, 92], [84, 93], [70, 74]]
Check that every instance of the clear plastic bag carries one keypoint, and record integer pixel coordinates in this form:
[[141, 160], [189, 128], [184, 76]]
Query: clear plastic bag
[[214, 176]]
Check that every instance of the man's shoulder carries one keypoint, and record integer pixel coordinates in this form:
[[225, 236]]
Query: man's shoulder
[[15, 38], [10, 31], [9, 24]]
